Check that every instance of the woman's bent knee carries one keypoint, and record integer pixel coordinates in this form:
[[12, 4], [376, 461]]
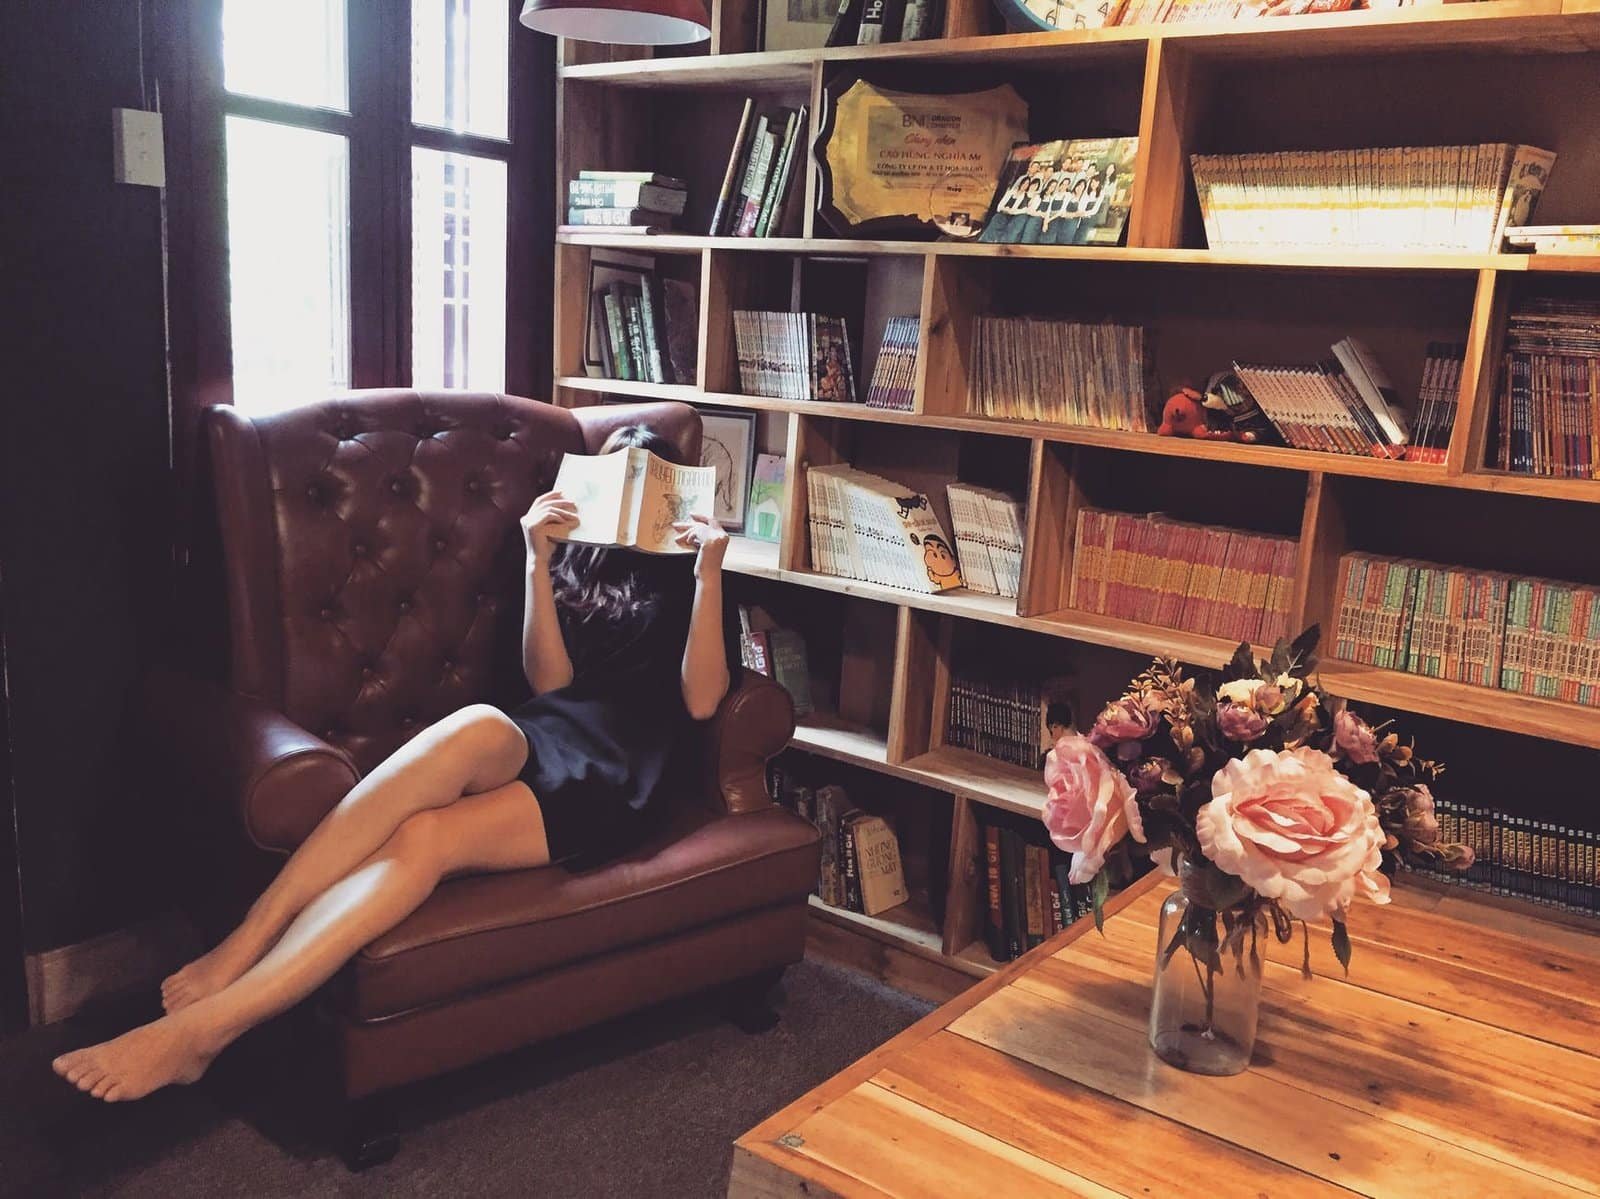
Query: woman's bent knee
[[419, 842]]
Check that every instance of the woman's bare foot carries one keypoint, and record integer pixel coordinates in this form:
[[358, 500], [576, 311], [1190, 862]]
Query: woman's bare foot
[[170, 1050], [208, 974]]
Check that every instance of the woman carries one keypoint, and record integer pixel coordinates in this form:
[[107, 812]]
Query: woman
[[622, 650]]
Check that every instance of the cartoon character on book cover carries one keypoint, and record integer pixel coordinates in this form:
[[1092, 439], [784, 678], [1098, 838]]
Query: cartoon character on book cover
[[1064, 194]]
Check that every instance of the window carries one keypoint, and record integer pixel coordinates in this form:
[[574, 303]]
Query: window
[[365, 192]]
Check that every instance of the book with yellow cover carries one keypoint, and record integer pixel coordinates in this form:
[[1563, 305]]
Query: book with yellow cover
[[632, 498]]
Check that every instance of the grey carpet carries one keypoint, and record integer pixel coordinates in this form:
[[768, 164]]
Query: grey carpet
[[647, 1106]]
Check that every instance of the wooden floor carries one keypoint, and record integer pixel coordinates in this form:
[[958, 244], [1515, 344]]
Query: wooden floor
[[1457, 1059]]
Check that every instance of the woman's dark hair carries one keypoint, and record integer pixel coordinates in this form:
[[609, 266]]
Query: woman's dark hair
[[591, 582]]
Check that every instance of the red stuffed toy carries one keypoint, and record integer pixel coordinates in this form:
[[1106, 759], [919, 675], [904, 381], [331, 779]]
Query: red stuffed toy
[[1185, 415]]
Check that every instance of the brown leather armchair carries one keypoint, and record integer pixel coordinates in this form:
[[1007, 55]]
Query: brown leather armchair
[[373, 568]]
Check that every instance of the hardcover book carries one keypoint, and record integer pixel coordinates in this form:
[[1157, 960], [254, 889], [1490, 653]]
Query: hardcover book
[[632, 498], [878, 866]]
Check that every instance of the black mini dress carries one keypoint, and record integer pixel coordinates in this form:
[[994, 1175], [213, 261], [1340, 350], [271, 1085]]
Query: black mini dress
[[604, 749]]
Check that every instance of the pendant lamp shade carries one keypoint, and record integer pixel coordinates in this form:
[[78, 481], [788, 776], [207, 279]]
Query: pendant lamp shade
[[621, 22]]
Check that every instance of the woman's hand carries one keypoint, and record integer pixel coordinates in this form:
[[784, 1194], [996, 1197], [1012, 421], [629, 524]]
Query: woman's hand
[[706, 537], [550, 513]]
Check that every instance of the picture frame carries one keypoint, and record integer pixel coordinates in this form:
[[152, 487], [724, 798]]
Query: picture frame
[[797, 24], [606, 267], [728, 442]]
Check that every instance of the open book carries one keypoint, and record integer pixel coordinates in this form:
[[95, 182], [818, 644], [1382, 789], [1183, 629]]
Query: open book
[[631, 497]]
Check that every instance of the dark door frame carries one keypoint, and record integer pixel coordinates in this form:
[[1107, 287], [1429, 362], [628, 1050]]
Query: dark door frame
[[13, 975]]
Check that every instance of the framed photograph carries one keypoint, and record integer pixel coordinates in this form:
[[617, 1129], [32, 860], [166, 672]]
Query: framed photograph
[[798, 24], [728, 442], [607, 267]]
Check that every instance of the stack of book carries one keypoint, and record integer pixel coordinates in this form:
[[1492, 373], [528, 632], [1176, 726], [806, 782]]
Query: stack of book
[[766, 159], [643, 326], [1007, 717], [894, 377], [865, 527], [625, 201], [1554, 239], [989, 527], [1548, 411], [776, 652], [1432, 198], [794, 356], [1539, 860], [861, 867], [873, 22], [1345, 405], [1533, 636], [1436, 402], [1181, 12], [1025, 368], [1026, 896], [1221, 582]]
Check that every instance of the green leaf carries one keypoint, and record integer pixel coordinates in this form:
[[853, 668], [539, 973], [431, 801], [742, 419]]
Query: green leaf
[[1242, 665], [1099, 888], [1304, 648], [1341, 945]]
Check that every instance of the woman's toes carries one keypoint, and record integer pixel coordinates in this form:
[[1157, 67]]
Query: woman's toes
[[101, 1087]]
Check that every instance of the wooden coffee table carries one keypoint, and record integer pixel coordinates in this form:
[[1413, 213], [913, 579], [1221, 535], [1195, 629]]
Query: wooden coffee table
[[1456, 1060]]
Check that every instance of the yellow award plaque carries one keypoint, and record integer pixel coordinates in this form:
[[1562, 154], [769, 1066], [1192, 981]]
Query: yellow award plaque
[[897, 162]]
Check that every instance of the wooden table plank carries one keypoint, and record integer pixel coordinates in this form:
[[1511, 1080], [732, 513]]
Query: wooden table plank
[[1301, 1130], [1053, 1118], [1374, 1065], [1529, 1003]]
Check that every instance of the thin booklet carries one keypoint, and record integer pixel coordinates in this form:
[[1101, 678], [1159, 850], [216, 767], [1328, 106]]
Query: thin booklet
[[632, 498]]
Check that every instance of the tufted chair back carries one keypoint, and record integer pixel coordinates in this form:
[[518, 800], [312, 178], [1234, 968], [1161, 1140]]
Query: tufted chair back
[[373, 555]]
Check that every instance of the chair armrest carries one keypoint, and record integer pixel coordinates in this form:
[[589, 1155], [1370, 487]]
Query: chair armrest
[[223, 748], [754, 721]]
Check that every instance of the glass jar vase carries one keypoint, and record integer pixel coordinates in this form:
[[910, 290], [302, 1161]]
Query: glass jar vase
[[1207, 992]]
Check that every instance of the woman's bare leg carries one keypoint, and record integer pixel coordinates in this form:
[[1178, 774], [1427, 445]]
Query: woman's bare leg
[[474, 750], [501, 829]]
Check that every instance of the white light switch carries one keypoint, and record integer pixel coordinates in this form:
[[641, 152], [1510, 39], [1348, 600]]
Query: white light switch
[[136, 147]]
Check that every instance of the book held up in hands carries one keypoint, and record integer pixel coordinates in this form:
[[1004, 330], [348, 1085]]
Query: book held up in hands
[[633, 498]]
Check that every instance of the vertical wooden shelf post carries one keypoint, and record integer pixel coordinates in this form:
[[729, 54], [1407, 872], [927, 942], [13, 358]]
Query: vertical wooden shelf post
[[1055, 496], [1323, 541], [919, 665], [953, 292], [968, 879], [1168, 116], [1480, 375]]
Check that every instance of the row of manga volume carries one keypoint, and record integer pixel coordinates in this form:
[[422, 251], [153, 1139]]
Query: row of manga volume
[[1061, 372], [990, 526], [1557, 864], [1008, 716], [863, 526], [1548, 407], [793, 356], [1345, 405], [1402, 198], [1489, 628], [861, 870], [1181, 575], [894, 376]]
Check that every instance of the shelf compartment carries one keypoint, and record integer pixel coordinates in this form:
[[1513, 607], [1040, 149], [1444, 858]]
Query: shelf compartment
[[1511, 711], [842, 740], [990, 782]]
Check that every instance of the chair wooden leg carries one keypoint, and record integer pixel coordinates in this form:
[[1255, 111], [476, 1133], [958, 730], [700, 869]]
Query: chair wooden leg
[[749, 1001], [371, 1132]]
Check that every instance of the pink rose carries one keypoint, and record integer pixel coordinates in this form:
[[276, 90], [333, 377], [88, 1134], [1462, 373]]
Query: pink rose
[[1354, 738], [1240, 723], [1089, 806], [1130, 718], [1296, 830], [1421, 824]]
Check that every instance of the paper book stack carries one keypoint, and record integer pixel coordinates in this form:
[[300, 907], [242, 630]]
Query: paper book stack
[[1025, 368], [1005, 718], [1345, 405], [1533, 636], [989, 526], [865, 527], [1554, 239], [1548, 409], [894, 376], [1200, 578], [1027, 895], [1405, 198], [1437, 399], [767, 157], [1538, 860], [625, 201], [794, 356]]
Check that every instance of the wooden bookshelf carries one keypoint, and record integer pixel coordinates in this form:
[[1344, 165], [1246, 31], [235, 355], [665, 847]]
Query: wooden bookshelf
[[1501, 70]]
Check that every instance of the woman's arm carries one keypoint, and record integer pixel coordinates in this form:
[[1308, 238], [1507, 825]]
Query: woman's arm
[[544, 654], [705, 657]]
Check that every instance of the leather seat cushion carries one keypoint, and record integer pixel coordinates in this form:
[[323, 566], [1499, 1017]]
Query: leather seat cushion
[[477, 931]]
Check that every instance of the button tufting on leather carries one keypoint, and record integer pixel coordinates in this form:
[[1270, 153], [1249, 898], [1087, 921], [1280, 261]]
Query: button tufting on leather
[[326, 614], [438, 545], [473, 485], [405, 603], [359, 549], [398, 486]]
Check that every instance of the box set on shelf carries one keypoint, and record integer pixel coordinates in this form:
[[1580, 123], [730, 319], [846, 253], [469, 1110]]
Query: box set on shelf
[[1376, 383]]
